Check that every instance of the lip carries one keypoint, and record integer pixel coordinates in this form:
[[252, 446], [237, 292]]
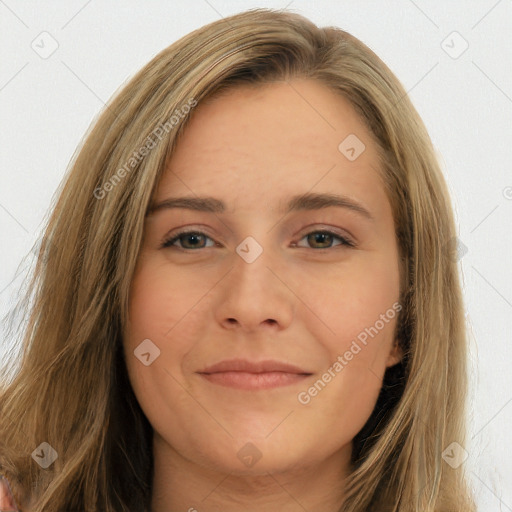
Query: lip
[[253, 375], [243, 365]]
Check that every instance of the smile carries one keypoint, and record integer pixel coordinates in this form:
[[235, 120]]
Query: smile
[[254, 381]]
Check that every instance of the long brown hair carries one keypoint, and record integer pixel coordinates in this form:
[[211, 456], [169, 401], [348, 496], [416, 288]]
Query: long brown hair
[[71, 389]]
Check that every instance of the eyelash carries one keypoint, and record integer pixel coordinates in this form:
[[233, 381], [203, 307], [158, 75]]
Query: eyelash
[[169, 242]]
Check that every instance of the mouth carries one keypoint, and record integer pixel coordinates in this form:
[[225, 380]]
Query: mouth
[[247, 375]]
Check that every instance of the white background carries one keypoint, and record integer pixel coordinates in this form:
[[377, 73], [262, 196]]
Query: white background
[[465, 102]]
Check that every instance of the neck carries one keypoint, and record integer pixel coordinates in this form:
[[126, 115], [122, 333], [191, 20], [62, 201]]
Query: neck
[[183, 485]]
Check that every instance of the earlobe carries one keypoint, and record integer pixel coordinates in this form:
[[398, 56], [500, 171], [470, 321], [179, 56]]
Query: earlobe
[[395, 354]]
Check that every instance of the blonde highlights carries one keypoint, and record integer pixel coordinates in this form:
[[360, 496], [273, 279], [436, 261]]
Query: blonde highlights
[[72, 389]]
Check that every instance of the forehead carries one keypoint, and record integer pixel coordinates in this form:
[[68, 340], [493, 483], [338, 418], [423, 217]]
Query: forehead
[[272, 141]]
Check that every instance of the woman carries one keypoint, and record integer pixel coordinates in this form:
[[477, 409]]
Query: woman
[[190, 345]]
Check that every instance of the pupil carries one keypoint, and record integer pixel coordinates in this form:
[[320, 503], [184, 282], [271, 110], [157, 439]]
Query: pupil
[[193, 237], [320, 237]]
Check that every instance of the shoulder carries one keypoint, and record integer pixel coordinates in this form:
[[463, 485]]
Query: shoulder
[[7, 501]]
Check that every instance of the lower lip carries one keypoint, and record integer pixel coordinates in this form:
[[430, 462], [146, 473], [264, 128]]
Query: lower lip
[[253, 381]]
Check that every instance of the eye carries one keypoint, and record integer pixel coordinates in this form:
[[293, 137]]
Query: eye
[[195, 240], [188, 236], [325, 239]]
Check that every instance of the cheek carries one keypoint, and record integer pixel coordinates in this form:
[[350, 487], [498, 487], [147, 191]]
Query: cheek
[[149, 307], [165, 309], [159, 302], [340, 409], [359, 310], [353, 298], [156, 311]]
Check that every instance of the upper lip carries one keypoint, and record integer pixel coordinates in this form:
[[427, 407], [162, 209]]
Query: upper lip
[[243, 365]]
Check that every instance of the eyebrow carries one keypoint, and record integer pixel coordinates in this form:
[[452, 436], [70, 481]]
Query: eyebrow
[[308, 201]]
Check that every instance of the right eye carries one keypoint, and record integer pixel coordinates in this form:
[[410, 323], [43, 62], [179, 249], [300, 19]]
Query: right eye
[[193, 238]]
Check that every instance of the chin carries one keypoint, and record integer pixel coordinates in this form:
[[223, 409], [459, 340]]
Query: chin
[[252, 455], [273, 464]]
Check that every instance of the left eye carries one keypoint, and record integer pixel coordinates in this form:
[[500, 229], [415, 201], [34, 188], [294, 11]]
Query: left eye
[[324, 238]]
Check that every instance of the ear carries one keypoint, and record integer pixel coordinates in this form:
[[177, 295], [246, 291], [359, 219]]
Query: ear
[[395, 354]]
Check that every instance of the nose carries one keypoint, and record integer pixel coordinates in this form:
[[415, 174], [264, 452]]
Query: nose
[[256, 294]]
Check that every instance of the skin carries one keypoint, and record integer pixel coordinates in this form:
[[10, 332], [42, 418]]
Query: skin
[[253, 148]]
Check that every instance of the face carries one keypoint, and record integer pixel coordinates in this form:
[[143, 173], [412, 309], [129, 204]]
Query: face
[[311, 284]]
